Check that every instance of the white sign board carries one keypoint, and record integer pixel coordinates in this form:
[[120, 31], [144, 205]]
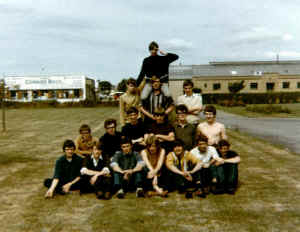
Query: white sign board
[[45, 82]]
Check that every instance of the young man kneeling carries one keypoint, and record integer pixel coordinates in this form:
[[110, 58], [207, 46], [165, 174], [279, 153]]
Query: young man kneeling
[[184, 171], [127, 166], [67, 172], [96, 174], [225, 171]]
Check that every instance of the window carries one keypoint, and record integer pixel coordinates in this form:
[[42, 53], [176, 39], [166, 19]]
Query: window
[[253, 85], [77, 93], [216, 86], [298, 85], [13, 94], [285, 85], [233, 72], [270, 86]]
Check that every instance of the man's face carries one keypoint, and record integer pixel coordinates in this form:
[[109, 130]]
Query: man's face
[[156, 84], [126, 148], [154, 51], [131, 88], [202, 146], [181, 116], [178, 150], [210, 117], [159, 118], [111, 129], [69, 151], [85, 134], [223, 150], [96, 152], [188, 90], [133, 117]]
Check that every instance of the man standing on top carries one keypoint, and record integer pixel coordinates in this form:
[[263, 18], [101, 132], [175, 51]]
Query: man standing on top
[[155, 65]]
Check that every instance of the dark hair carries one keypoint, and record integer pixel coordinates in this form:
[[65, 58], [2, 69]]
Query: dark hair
[[153, 45], [202, 138], [98, 145], [125, 141], [211, 109], [131, 81], [110, 121], [84, 127], [223, 143], [68, 143], [159, 111], [178, 143], [181, 108], [132, 110], [188, 83]]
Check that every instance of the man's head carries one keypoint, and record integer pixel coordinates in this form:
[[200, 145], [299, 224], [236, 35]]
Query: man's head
[[126, 145], [159, 115], [132, 114], [188, 86], [155, 82], [131, 85], [153, 48], [97, 150], [178, 147], [110, 126], [202, 143], [152, 144], [181, 112], [210, 113], [223, 146], [85, 131], [69, 148]]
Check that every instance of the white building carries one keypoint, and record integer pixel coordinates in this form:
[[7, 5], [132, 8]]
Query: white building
[[60, 88]]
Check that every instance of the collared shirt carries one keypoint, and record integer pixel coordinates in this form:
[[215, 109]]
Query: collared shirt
[[205, 157], [186, 133], [195, 100], [182, 163], [156, 101], [90, 163]]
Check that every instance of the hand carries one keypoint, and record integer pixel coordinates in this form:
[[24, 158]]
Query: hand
[[155, 181], [49, 193], [66, 187], [188, 176], [206, 165], [151, 174], [93, 179], [162, 53]]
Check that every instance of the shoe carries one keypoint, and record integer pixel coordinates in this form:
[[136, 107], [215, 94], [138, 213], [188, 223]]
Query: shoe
[[206, 190], [164, 193], [140, 192], [189, 195], [230, 191], [99, 194], [120, 194], [107, 195], [200, 193]]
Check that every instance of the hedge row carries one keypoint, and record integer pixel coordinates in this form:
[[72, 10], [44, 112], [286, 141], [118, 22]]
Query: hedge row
[[258, 98]]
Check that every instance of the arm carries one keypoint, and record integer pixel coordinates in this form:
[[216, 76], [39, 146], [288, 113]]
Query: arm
[[142, 74], [234, 160], [160, 161], [169, 109], [148, 114], [50, 191], [170, 137], [66, 187], [223, 132], [122, 111], [146, 160], [170, 56], [197, 167], [171, 166]]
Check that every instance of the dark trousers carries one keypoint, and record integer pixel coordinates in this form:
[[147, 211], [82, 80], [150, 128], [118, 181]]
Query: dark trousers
[[178, 182], [58, 189], [161, 180], [134, 181], [103, 183], [226, 175]]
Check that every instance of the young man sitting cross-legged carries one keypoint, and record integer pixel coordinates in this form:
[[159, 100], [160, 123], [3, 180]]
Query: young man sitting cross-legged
[[66, 173], [225, 171], [96, 174], [183, 172], [128, 170]]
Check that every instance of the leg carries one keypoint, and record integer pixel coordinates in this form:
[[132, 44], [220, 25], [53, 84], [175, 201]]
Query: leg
[[231, 177], [218, 178], [146, 91]]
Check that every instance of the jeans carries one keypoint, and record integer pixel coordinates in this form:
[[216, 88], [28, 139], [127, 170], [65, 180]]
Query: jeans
[[148, 88]]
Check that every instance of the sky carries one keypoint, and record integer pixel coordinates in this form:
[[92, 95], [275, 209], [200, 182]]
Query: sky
[[108, 40]]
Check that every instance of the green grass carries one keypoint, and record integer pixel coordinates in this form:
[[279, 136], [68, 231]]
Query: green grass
[[268, 197], [240, 110]]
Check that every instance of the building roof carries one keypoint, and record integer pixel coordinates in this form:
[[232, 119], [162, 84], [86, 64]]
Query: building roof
[[234, 68]]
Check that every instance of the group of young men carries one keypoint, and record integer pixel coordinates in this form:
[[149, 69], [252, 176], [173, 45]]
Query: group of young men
[[151, 155]]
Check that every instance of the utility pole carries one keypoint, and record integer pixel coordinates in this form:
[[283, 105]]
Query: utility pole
[[3, 104]]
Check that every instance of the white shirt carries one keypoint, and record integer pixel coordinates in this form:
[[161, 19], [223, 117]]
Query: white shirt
[[83, 170], [205, 157], [195, 100]]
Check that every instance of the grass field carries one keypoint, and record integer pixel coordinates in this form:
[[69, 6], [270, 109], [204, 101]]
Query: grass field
[[240, 110], [268, 198]]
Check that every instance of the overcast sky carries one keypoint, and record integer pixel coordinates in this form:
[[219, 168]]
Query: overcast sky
[[108, 40]]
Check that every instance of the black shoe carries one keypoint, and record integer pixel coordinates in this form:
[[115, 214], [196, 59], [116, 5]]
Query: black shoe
[[120, 194], [230, 191], [189, 195], [99, 194], [200, 193], [140, 192]]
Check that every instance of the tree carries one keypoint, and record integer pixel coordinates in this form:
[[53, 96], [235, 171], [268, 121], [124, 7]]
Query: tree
[[105, 86], [235, 87], [122, 85]]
